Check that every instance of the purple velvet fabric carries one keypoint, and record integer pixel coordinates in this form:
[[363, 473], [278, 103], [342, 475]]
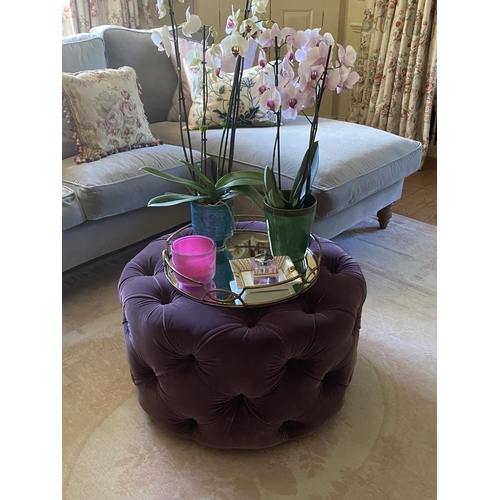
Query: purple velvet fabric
[[241, 377]]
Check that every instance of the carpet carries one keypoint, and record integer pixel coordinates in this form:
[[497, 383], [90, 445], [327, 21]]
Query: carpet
[[382, 444]]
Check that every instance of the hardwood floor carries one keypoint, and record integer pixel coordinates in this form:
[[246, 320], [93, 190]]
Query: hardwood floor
[[419, 199]]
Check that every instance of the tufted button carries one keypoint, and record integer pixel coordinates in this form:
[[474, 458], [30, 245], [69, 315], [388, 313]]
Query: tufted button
[[187, 427], [289, 429], [292, 364]]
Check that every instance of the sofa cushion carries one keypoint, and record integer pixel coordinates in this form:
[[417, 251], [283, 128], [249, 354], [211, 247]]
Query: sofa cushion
[[250, 112], [105, 111], [115, 185], [227, 65], [72, 214], [135, 48], [83, 52], [79, 53], [355, 161]]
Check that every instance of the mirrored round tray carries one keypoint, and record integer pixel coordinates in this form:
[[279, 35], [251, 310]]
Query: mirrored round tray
[[234, 284]]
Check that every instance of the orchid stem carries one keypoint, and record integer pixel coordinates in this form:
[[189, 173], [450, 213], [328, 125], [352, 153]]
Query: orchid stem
[[182, 101], [277, 145]]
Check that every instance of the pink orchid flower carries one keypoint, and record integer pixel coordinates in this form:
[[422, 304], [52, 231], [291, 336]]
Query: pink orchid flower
[[347, 79], [262, 59], [307, 39], [287, 66], [347, 56], [309, 75], [292, 101], [271, 99], [332, 79], [267, 37], [265, 79], [289, 36]]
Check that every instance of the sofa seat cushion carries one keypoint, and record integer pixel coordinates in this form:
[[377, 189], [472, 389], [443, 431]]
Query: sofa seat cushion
[[114, 185], [355, 161], [72, 214]]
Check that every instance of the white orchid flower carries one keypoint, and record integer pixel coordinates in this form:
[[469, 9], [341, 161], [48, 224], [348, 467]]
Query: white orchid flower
[[235, 44], [249, 26], [259, 6], [193, 58], [192, 24], [213, 60], [215, 50], [161, 9], [161, 38]]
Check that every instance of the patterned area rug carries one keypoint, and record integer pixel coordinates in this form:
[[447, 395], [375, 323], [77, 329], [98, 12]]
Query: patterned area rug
[[382, 444]]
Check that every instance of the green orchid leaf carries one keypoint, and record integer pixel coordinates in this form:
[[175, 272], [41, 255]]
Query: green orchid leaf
[[240, 178], [196, 186], [305, 176], [208, 183], [249, 191], [274, 196], [170, 199]]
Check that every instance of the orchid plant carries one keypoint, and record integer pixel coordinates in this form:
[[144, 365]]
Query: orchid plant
[[221, 184], [299, 81], [301, 76]]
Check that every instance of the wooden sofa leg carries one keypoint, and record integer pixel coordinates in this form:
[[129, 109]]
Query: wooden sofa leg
[[384, 216]]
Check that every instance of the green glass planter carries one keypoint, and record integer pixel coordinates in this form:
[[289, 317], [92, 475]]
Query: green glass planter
[[289, 229]]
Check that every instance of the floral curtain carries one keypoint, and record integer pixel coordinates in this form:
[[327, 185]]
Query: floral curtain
[[397, 64], [79, 16]]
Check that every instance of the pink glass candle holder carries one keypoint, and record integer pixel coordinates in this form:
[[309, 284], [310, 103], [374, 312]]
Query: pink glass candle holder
[[194, 256]]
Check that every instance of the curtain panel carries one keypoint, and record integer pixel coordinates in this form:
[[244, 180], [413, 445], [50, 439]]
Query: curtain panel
[[397, 64], [79, 16]]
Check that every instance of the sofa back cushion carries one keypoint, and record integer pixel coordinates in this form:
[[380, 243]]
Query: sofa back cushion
[[82, 52], [79, 53], [155, 71]]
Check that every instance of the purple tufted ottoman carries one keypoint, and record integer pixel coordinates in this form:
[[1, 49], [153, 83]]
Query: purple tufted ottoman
[[241, 377]]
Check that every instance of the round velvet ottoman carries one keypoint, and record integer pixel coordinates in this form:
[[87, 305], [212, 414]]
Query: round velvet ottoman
[[241, 377]]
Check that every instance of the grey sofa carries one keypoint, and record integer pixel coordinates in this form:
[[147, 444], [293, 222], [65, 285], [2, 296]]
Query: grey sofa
[[104, 203]]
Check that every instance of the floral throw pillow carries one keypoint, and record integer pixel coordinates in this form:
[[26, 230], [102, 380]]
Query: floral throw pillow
[[105, 112], [251, 113]]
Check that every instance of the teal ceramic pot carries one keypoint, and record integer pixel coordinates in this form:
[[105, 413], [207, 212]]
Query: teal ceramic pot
[[214, 221], [289, 229]]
